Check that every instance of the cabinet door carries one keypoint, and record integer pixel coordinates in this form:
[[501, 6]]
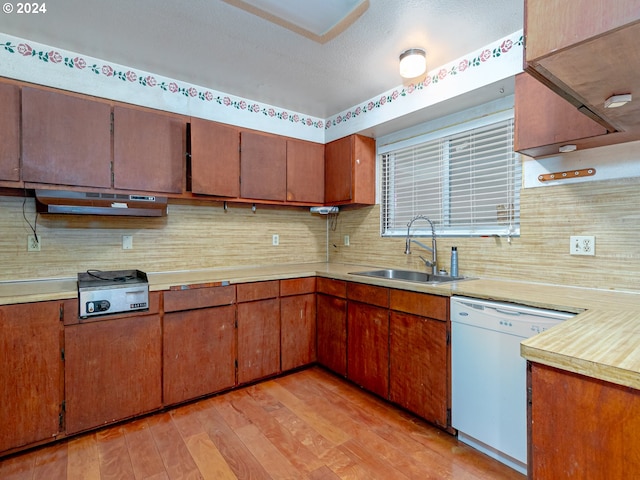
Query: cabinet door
[[263, 166], [66, 140], [10, 133], [554, 25], [332, 333], [215, 159], [113, 370], [199, 352], [305, 171], [368, 347], [30, 373], [338, 171], [582, 427], [350, 173], [258, 339], [148, 151], [544, 121], [298, 335], [418, 377]]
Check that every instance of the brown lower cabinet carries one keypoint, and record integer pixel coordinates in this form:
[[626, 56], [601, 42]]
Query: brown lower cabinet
[[332, 324], [258, 330], [581, 427], [394, 343], [368, 337], [199, 343], [113, 370], [31, 373], [420, 367], [297, 322]]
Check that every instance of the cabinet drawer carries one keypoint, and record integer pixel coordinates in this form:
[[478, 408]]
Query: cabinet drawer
[[176, 300], [336, 288], [297, 286], [369, 294], [425, 305], [248, 292]]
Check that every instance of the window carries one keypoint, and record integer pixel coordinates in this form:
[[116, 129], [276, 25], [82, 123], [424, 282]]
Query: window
[[467, 181]]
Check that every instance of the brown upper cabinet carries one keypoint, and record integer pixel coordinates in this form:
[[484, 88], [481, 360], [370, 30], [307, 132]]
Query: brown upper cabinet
[[10, 133], [66, 139], [148, 150], [587, 51], [271, 167], [350, 171], [544, 121], [305, 171], [263, 166], [215, 159]]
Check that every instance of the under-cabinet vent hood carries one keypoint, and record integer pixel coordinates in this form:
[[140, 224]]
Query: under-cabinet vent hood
[[90, 203]]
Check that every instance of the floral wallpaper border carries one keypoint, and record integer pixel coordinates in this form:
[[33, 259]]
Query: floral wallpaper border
[[460, 67], [77, 64]]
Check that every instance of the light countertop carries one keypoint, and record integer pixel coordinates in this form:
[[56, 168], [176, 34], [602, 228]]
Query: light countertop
[[602, 341]]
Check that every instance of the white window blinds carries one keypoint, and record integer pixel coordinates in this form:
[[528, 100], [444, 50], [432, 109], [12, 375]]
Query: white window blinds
[[467, 183]]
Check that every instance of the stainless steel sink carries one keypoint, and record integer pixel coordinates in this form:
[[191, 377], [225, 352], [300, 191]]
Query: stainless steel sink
[[408, 276]]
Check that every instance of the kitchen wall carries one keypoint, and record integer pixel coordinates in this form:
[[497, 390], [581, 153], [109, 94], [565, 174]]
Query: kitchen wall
[[194, 237], [190, 237], [609, 210]]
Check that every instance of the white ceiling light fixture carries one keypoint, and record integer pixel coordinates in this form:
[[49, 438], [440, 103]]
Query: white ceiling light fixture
[[413, 62], [615, 101]]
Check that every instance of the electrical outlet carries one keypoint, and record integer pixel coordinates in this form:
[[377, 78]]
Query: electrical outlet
[[33, 243], [127, 242], [275, 240], [346, 241], [582, 245]]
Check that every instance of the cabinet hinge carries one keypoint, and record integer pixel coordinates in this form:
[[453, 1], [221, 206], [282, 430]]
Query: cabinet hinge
[[448, 417], [63, 408], [61, 312], [529, 394], [112, 123], [62, 354], [448, 337]]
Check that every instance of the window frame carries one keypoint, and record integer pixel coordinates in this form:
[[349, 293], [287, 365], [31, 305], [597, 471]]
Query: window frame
[[511, 229]]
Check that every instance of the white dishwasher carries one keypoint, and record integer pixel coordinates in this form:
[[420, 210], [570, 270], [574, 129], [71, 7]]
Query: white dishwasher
[[488, 375]]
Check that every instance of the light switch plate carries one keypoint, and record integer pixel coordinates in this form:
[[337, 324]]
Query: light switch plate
[[127, 242]]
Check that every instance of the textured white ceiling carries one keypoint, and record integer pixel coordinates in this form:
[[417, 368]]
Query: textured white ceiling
[[216, 45]]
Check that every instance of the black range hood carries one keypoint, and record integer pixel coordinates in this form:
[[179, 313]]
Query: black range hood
[[91, 203]]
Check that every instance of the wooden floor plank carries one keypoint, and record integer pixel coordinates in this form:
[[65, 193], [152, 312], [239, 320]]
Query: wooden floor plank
[[145, 458], [83, 460], [239, 458], [361, 425], [175, 455], [297, 453], [115, 461], [210, 461], [328, 429], [51, 462], [268, 455], [309, 424], [18, 467]]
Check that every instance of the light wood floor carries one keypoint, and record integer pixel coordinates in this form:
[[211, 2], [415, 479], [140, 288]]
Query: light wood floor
[[307, 425]]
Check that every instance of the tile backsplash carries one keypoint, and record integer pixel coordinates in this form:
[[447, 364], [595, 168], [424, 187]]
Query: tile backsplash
[[205, 236], [608, 210]]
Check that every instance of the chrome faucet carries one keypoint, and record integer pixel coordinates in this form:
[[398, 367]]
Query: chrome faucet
[[407, 250]]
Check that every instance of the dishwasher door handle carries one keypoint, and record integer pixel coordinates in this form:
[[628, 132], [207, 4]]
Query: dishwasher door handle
[[507, 312]]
